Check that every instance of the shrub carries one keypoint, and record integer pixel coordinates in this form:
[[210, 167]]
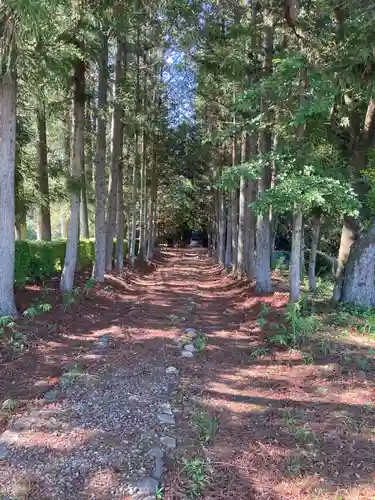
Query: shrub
[[22, 262], [40, 260]]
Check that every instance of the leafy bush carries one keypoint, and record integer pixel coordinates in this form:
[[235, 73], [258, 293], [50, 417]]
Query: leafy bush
[[40, 260]]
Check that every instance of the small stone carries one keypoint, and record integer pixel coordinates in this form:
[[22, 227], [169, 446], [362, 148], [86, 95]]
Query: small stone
[[190, 347], [156, 452], [191, 332], [166, 408], [9, 436], [158, 469], [187, 354], [4, 453], [146, 486], [168, 442], [166, 419], [171, 370]]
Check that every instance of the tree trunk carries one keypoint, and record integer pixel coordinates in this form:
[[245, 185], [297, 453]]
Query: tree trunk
[[120, 231], [263, 257], [302, 257], [251, 229], [142, 201], [234, 218], [349, 235], [228, 244], [7, 201], [358, 286], [85, 230], [315, 229], [222, 231], [100, 180], [152, 221], [242, 212], [295, 256], [44, 222], [77, 161], [137, 158], [350, 230], [116, 155]]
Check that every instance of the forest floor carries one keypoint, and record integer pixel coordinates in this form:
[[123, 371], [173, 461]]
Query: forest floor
[[84, 386]]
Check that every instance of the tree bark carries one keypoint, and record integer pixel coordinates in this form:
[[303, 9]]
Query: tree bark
[[115, 157], [263, 257], [152, 221], [228, 243], [77, 161], [85, 230], [8, 89], [251, 229], [242, 210], [44, 222], [349, 236], [358, 286], [295, 256], [120, 229], [100, 181], [350, 230], [222, 231], [315, 229]]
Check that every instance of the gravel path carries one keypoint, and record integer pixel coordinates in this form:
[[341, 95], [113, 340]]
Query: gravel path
[[101, 441]]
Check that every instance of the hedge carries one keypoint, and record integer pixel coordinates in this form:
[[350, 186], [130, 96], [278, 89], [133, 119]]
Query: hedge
[[40, 260]]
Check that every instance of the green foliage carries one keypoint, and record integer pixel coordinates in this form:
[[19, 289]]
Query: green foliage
[[40, 260], [37, 310], [298, 330], [206, 426], [258, 353], [197, 473], [70, 298], [200, 342]]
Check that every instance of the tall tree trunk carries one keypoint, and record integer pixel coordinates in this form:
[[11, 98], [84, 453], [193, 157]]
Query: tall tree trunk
[[295, 256], [116, 154], [137, 157], [153, 193], [100, 181], [263, 257], [120, 225], [302, 264], [120, 231], [228, 244], [350, 230], [222, 224], [7, 203], [44, 222], [66, 168], [242, 211], [315, 229], [85, 230], [234, 219], [77, 161], [250, 237]]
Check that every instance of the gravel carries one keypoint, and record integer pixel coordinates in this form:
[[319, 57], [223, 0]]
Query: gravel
[[94, 443]]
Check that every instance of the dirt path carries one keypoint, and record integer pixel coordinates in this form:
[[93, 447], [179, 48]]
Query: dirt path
[[287, 430]]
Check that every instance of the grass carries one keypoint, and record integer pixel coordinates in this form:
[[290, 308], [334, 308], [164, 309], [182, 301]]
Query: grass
[[198, 476], [258, 353], [200, 342], [206, 426]]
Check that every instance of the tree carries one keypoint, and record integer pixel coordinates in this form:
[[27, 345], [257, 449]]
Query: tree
[[8, 162]]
